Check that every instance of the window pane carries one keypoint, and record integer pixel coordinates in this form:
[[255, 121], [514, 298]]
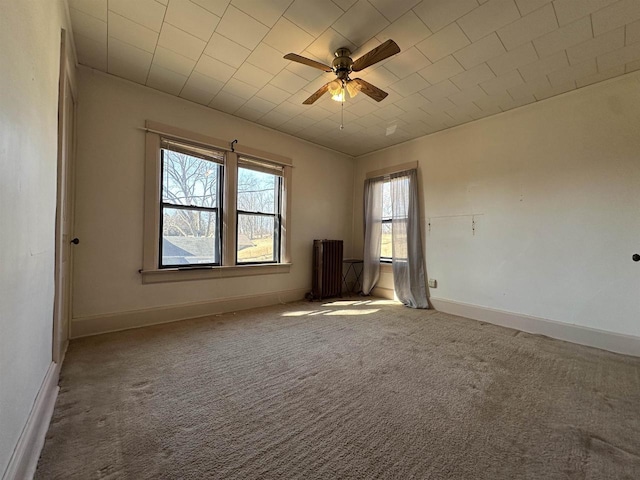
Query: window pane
[[387, 211], [256, 238], [257, 191], [188, 180], [188, 237], [400, 231], [385, 247]]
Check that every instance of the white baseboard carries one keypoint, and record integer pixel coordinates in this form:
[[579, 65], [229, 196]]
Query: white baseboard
[[23, 462], [96, 324], [592, 337]]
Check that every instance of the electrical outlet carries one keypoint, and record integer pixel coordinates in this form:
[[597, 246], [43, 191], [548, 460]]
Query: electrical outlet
[[433, 283]]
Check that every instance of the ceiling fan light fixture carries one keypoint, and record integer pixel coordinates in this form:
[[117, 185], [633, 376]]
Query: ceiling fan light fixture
[[338, 97], [335, 87], [353, 89]]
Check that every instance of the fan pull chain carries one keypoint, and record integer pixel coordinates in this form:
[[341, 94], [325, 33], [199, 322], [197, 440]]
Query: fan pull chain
[[342, 108]]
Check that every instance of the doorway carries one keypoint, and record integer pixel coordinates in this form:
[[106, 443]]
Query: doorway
[[64, 201]]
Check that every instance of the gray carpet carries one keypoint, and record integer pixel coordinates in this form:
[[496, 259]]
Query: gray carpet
[[364, 391]]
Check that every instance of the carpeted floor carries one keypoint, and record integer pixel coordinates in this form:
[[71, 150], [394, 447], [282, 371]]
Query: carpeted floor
[[362, 390]]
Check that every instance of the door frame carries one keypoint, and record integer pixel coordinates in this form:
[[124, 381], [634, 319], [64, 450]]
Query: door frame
[[65, 193]]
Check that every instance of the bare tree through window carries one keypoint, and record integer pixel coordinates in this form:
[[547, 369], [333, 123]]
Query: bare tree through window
[[393, 205], [258, 216], [190, 209]]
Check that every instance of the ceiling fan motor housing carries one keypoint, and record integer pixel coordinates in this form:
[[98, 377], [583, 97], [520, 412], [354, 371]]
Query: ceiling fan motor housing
[[342, 63]]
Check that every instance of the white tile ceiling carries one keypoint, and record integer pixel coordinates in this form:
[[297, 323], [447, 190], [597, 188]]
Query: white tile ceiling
[[461, 60]]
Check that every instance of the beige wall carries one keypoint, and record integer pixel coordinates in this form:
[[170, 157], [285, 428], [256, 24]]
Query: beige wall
[[109, 198], [555, 187], [29, 55]]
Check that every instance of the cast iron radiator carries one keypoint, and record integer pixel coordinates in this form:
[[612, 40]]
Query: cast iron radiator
[[327, 269]]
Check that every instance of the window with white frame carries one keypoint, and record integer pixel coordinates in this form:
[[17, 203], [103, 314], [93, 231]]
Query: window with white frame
[[259, 207], [209, 208], [400, 199], [190, 205]]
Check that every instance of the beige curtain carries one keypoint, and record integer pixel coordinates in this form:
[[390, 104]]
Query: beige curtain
[[372, 233], [408, 259]]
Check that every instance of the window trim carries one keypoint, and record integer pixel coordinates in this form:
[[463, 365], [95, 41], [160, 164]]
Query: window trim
[[150, 272], [392, 169]]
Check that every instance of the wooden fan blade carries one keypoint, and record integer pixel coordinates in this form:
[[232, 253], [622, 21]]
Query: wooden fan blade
[[370, 90], [307, 61], [321, 91], [385, 50]]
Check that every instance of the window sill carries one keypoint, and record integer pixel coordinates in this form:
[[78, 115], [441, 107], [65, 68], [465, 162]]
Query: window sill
[[386, 267], [179, 275]]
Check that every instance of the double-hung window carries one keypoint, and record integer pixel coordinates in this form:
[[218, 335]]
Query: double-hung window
[[394, 217], [259, 211], [191, 205], [213, 211]]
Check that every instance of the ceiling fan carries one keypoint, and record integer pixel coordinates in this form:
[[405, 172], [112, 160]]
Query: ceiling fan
[[342, 66]]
